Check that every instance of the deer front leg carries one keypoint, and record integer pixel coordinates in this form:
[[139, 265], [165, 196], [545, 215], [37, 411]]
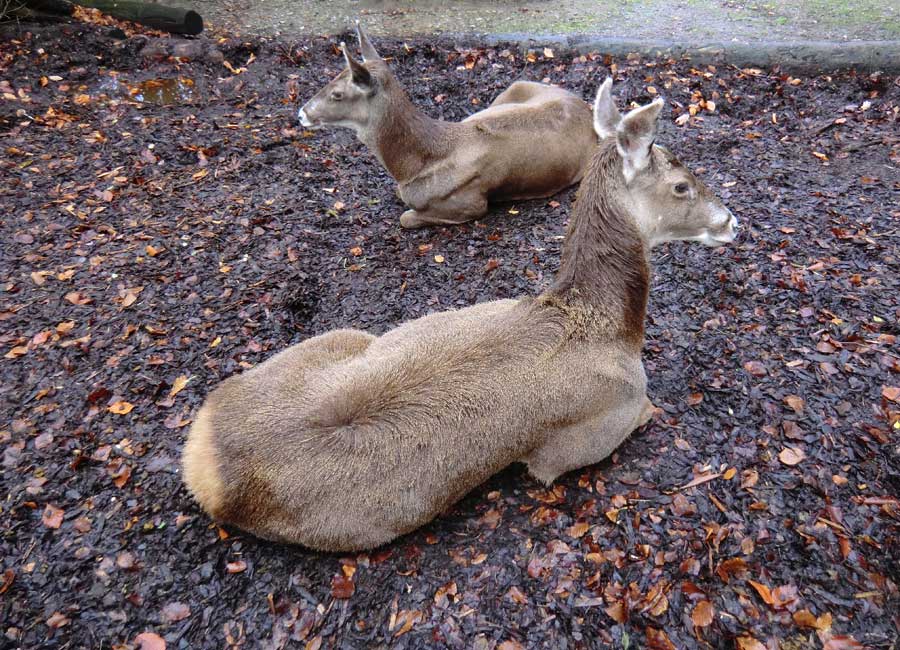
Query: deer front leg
[[457, 208], [587, 442]]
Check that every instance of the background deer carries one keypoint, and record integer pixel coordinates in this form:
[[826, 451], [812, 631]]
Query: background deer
[[532, 141], [346, 440]]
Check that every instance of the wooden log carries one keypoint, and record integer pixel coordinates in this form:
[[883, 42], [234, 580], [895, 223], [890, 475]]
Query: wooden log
[[57, 7], [168, 19]]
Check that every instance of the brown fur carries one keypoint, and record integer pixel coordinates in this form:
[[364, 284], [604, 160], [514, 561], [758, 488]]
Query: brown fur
[[346, 441], [532, 141]]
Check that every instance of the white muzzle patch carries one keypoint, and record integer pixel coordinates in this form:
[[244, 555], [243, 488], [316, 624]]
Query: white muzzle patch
[[304, 120]]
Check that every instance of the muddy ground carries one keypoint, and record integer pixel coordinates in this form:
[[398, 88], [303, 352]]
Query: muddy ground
[[159, 237]]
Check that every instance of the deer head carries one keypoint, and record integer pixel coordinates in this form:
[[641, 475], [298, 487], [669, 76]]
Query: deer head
[[362, 90], [667, 200]]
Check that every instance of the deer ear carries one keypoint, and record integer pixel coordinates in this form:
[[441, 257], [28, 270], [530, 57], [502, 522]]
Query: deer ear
[[635, 135], [369, 53], [606, 115], [361, 76]]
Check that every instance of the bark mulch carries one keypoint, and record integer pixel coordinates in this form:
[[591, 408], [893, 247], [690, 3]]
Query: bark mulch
[[151, 249]]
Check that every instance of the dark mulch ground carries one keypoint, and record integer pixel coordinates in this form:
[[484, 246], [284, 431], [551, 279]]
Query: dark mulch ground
[[144, 245]]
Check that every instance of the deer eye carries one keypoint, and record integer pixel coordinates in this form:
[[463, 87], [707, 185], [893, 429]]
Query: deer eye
[[336, 95], [681, 189]]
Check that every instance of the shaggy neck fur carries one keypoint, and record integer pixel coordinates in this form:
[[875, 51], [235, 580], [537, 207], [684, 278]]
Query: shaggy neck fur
[[403, 137], [604, 265]]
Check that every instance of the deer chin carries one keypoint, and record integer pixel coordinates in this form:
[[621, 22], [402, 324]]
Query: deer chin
[[715, 241], [305, 122]]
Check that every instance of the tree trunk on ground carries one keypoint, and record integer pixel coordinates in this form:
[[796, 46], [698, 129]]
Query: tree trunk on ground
[[169, 19]]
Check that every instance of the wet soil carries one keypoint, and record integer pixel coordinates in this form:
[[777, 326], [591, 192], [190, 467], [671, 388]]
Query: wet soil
[[153, 248]]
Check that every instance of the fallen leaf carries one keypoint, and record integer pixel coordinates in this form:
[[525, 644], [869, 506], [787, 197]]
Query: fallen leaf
[[439, 259], [174, 612], [125, 560], [731, 567], [755, 368], [749, 643], [791, 455], [764, 592], [408, 618], [150, 641], [617, 612], [749, 478], [53, 516], [548, 53], [120, 408], [78, 298], [342, 587], [510, 644], [178, 385], [238, 566], [891, 392], [795, 402], [578, 529], [804, 618], [842, 642], [57, 620], [9, 577], [658, 640], [702, 616]]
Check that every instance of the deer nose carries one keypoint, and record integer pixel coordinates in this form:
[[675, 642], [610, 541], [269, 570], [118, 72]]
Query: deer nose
[[304, 120]]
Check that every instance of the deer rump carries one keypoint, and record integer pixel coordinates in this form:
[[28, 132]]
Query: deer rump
[[347, 440]]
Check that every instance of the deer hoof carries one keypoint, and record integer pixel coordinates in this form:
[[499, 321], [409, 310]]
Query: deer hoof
[[411, 219]]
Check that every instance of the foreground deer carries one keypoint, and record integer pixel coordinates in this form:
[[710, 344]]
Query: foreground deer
[[348, 440], [531, 142]]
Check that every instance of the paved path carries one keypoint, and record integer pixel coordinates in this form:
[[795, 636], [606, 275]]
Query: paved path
[[736, 21], [810, 34]]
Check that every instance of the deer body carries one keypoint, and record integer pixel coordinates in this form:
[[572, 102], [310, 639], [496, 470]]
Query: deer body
[[532, 141], [346, 441]]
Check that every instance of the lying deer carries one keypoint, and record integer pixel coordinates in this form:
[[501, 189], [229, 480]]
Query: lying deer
[[532, 141], [347, 440]]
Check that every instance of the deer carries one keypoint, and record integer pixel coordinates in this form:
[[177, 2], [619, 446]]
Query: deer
[[532, 141], [347, 440]]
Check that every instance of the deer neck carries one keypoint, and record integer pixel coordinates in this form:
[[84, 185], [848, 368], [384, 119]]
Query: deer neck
[[404, 139], [604, 264]]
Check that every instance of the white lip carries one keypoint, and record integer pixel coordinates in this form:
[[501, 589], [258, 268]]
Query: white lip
[[304, 120]]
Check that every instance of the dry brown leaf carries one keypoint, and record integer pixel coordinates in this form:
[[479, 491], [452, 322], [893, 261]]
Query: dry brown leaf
[[804, 618], [120, 408], [150, 641], [578, 529], [764, 592], [510, 644], [174, 612], [178, 385], [702, 616], [843, 642], [658, 640], [891, 392], [342, 587], [57, 620], [238, 566], [52, 516], [749, 643], [755, 368], [617, 612], [749, 478], [731, 567], [796, 403], [791, 456]]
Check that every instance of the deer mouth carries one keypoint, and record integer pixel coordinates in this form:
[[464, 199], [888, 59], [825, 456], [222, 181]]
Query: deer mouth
[[304, 119]]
